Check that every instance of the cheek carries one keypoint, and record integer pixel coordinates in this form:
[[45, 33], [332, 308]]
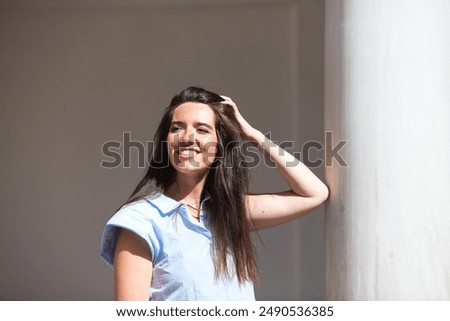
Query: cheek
[[170, 147], [210, 151], [171, 139]]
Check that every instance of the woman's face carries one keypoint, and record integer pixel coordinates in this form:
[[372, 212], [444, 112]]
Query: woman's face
[[192, 138]]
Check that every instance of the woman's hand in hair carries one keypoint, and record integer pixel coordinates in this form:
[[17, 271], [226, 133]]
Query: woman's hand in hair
[[250, 133], [306, 193]]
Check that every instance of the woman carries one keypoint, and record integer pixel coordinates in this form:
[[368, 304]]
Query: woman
[[184, 233]]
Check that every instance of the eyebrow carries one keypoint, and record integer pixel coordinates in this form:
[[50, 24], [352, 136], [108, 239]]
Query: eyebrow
[[197, 124], [204, 124]]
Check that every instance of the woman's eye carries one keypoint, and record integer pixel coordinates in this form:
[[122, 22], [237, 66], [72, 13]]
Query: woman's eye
[[174, 129], [203, 130]]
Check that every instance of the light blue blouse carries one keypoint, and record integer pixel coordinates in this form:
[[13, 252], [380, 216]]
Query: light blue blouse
[[181, 251]]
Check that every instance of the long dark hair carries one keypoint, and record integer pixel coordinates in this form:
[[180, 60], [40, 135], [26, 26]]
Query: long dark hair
[[227, 183]]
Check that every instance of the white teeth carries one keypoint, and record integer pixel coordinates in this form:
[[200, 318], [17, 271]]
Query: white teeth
[[186, 152]]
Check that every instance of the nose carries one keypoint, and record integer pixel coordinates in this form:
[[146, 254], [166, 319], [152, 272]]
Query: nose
[[187, 136]]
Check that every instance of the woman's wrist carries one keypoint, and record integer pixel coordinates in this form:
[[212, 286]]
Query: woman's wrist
[[255, 136]]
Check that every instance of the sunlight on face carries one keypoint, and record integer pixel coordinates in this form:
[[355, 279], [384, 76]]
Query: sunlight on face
[[192, 139]]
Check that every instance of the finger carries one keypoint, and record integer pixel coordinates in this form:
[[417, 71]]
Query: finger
[[228, 101]]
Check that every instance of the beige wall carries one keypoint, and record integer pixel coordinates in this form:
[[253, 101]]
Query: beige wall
[[75, 75]]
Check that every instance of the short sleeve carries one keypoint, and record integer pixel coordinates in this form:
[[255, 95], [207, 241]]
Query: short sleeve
[[135, 218]]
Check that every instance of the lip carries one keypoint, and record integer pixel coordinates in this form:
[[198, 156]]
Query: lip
[[187, 152]]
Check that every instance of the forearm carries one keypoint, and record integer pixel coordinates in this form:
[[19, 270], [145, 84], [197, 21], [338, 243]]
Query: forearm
[[300, 179], [297, 175]]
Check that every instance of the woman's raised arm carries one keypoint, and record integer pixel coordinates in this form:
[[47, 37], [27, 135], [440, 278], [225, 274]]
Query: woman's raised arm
[[306, 193]]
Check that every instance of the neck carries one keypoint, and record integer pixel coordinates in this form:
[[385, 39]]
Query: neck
[[187, 189]]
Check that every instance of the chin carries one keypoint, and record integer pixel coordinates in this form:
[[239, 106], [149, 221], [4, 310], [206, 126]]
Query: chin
[[186, 167]]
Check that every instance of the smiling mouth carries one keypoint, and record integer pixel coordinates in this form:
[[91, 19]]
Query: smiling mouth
[[187, 152]]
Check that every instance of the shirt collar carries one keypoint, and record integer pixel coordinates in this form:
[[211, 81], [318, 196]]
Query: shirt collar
[[166, 204]]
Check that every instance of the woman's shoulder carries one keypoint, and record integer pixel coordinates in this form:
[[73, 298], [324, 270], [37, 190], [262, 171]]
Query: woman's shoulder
[[140, 205], [151, 207], [141, 217]]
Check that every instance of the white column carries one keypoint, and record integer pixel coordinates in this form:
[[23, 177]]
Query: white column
[[387, 92]]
